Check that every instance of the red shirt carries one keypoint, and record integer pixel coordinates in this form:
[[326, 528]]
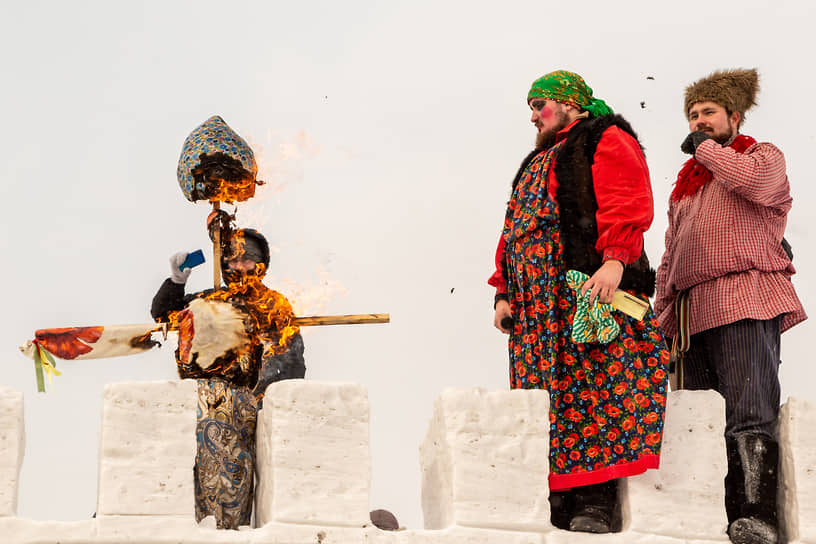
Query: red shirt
[[723, 243], [620, 177]]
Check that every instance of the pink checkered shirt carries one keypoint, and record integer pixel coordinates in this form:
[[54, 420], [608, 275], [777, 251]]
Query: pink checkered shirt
[[723, 243]]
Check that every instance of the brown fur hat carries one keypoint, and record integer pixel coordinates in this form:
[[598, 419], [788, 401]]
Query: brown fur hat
[[735, 90]]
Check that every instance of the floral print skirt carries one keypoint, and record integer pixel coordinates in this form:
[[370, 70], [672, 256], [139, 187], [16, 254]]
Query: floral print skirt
[[607, 401]]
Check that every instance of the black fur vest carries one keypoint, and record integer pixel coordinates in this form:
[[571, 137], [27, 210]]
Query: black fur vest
[[577, 203]]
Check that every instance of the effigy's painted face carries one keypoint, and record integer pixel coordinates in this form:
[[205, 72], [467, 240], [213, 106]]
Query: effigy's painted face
[[242, 265], [240, 270], [714, 120]]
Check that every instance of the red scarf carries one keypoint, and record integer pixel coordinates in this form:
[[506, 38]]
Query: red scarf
[[694, 175]]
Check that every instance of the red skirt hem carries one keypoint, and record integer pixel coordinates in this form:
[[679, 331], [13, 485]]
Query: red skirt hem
[[562, 482]]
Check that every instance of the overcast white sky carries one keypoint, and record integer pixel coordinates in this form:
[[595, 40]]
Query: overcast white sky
[[388, 133]]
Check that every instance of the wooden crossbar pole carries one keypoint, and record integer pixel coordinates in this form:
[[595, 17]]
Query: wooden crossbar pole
[[355, 319]]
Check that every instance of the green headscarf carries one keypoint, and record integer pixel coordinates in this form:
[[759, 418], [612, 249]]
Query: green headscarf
[[568, 88]]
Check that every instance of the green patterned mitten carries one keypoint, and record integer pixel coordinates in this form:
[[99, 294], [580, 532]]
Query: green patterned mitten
[[594, 324]]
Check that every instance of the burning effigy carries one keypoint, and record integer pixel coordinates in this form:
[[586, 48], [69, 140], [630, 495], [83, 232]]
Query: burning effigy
[[228, 338], [234, 339]]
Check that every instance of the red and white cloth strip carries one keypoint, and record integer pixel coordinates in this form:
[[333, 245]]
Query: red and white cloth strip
[[98, 342]]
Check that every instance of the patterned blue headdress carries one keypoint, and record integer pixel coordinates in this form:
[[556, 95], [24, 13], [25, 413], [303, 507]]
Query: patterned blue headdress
[[216, 164]]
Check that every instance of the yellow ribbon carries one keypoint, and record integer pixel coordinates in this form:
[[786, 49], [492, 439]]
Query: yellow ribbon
[[46, 361]]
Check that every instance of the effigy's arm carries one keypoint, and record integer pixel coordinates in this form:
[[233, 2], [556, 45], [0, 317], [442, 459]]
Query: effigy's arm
[[76, 343], [98, 342], [84, 343]]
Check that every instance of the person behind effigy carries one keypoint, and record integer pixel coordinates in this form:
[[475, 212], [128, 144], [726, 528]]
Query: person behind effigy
[[727, 270], [231, 389], [581, 201]]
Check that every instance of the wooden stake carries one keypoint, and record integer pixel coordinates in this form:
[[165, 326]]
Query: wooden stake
[[217, 250]]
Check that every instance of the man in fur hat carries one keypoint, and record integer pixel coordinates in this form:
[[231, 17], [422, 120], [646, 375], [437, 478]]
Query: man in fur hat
[[723, 287], [573, 234]]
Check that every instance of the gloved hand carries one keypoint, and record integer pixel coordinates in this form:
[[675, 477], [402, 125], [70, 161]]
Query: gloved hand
[[176, 274], [693, 140]]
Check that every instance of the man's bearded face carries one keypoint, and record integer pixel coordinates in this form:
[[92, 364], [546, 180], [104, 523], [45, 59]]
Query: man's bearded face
[[714, 120], [548, 117]]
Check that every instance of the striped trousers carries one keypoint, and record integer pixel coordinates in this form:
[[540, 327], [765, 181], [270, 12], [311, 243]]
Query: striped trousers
[[740, 361]]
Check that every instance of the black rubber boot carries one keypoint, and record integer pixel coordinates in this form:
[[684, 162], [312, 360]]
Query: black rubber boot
[[594, 507], [562, 504], [750, 489]]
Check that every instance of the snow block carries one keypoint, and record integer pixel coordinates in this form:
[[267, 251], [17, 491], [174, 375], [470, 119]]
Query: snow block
[[26, 531], [313, 461], [485, 461], [797, 452], [12, 448], [147, 449], [685, 498]]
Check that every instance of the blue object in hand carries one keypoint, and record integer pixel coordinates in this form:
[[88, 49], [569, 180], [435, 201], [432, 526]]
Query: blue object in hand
[[193, 259]]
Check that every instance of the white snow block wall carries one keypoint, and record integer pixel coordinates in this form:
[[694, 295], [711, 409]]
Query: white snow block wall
[[12, 448], [147, 449], [797, 451], [313, 460], [484, 461], [685, 498]]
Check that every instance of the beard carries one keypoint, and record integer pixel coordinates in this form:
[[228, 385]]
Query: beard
[[723, 137], [546, 139]]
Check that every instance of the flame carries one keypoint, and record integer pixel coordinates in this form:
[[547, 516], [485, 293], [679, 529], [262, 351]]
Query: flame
[[312, 298], [282, 160], [230, 191], [234, 247], [267, 308], [269, 316], [222, 178], [184, 319], [285, 163]]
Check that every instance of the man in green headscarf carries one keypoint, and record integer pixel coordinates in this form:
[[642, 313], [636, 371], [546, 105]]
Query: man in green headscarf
[[582, 201]]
